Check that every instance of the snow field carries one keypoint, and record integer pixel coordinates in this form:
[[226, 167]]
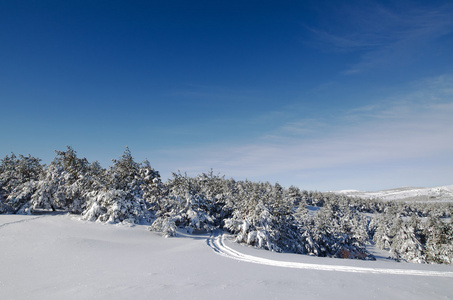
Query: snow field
[[217, 243], [60, 257]]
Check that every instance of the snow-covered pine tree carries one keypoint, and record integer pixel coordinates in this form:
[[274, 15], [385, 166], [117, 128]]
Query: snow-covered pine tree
[[381, 237], [340, 232], [122, 198], [439, 244], [151, 184], [63, 184], [405, 244], [18, 176], [304, 242], [17, 170], [294, 197], [190, 204], [216, 189], [254, 220], [281, 207]]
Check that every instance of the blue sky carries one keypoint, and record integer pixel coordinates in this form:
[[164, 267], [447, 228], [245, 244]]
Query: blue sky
[[324, 95]]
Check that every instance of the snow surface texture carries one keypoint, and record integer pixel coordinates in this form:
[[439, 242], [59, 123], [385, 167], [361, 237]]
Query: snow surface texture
[[61, 257], [435, 194], [217, 243]]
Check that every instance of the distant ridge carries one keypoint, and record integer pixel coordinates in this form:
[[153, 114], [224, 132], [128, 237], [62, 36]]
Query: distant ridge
[[434, 194]]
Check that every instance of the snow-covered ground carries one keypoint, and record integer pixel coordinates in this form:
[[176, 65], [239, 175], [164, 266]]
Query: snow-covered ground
[[60, 257], [435, 194], [218, 244]]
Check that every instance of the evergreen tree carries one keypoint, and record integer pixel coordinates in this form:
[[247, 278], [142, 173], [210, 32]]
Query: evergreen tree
[[381, 236], [122, 200], [258, 214], [190, 204], [405, 244], [18, 176], [259, 217], [439, 244], [63, 184]]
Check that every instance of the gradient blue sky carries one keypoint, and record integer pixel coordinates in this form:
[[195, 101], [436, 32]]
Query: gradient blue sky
[[323, 95]]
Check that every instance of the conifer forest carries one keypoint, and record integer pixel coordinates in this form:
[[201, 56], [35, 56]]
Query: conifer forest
[[258, 214]]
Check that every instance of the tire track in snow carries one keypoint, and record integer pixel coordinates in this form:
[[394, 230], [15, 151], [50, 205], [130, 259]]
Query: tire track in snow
[[20, 221], [217, 243]]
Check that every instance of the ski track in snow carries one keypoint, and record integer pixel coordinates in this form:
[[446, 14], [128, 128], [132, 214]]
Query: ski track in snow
[[20, 221], [217, 243]]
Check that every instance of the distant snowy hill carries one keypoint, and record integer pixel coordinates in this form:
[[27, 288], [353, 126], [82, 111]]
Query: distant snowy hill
[[435, 194]]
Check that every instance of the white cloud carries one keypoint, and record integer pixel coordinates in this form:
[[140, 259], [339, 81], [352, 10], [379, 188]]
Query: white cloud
[[385, 35], [417, 125]]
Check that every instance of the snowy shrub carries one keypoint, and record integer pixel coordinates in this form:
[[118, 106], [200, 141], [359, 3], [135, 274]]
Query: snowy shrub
[[115, 206], [166, 225]]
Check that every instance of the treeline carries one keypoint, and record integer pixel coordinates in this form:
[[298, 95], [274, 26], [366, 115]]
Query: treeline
[[264, 215]]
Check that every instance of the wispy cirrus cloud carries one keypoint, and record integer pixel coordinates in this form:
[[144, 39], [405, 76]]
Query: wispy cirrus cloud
[[405, 127], [383, 34]]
